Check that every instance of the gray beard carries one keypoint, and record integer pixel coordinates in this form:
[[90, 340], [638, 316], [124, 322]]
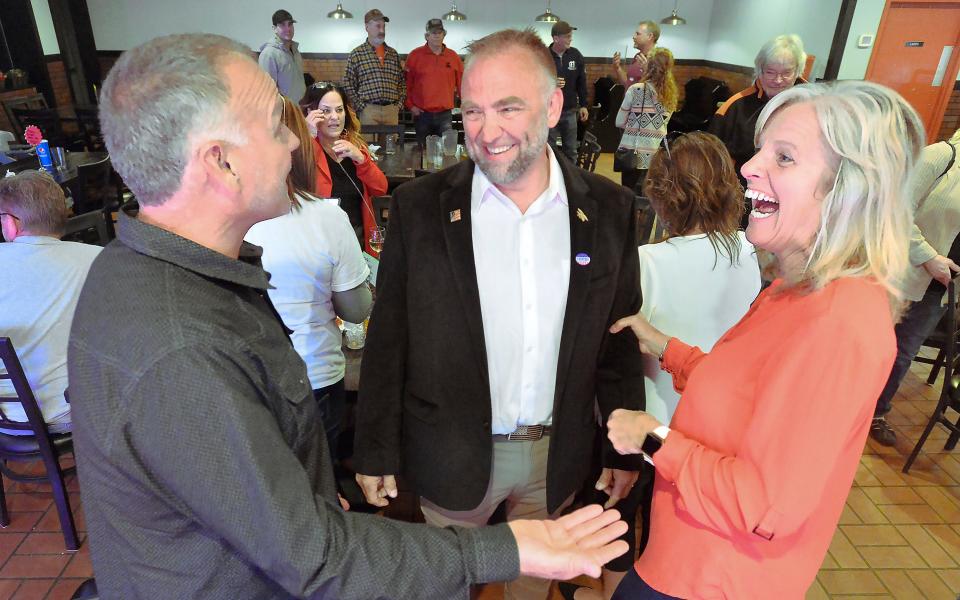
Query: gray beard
[[506, 174]]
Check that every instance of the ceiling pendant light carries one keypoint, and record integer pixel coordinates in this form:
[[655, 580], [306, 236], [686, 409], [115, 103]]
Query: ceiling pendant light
[[674, 18], [454, 14], [547, 17], [339, 13]]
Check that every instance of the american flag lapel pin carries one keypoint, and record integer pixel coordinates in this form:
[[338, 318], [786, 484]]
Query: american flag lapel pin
[[454, 215], [582, 215]]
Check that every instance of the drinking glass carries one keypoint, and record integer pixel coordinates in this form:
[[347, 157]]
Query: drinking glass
[[377, 236], [391, 144]]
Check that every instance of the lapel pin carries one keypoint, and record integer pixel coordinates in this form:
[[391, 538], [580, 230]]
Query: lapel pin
[[583, 217], [454, 215], [583, 259]]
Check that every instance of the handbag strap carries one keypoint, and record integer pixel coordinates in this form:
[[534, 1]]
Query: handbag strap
[[953, 157]]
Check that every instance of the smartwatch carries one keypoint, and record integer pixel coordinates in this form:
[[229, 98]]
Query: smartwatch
[[654, 441]]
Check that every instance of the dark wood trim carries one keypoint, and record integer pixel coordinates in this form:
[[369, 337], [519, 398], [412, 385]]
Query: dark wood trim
[[840, 35], [50, 58]]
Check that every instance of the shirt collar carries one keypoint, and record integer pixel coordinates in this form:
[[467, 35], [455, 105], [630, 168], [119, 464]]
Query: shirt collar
[[164, 245], [483, 188], [36, 240]]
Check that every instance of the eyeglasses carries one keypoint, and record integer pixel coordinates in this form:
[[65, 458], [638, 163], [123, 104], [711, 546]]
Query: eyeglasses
[[322, 84], [6, 214], [778, 77]]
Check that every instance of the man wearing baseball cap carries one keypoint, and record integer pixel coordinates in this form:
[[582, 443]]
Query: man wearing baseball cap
[[572, 79], [433, 81], [374, 77], [281, 59]]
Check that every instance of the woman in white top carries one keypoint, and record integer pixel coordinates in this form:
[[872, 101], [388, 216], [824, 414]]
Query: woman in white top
[[643, 116], [702, 279], [317, 272]]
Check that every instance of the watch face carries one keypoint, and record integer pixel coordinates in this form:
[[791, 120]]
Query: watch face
[[651, 444]]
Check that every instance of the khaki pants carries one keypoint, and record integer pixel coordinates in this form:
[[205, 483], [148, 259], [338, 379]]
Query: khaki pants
[[519, 476], [373, 114]]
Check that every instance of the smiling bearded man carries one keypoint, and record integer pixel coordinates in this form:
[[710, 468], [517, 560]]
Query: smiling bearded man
[[488, 346]]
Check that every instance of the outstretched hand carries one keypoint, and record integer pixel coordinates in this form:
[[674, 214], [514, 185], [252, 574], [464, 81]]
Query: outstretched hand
[[652, 341], [576, 544]]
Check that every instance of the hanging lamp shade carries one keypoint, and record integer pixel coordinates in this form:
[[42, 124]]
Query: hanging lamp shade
[[674, 18], [454, 14], [339, 13], [547, 17]]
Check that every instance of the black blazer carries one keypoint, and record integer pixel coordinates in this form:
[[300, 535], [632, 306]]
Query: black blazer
[[424, 405]]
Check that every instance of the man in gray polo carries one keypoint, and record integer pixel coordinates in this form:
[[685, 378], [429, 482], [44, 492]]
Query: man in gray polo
[[204, 466], [280, 57]]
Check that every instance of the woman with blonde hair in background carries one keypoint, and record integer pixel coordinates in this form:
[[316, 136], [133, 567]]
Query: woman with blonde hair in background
[[754, 469], [643, 116]]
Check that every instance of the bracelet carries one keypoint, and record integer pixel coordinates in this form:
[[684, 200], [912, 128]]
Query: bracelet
[[662, 350]]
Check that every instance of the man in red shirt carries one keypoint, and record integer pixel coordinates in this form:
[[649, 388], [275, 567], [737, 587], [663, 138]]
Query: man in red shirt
[[433, 80]]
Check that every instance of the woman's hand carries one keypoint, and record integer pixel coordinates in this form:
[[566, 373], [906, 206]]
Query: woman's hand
[[941, 268], [628, 428], [315, 119], [652, 341], [345, 149]]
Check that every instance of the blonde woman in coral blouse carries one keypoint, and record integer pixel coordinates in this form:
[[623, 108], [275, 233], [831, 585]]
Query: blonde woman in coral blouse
[[753, 472]]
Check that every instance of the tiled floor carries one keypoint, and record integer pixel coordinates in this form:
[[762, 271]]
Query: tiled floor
[[34, 563]]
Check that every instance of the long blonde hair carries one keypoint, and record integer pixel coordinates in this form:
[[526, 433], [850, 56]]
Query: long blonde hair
[[659, 73], [873, 137]]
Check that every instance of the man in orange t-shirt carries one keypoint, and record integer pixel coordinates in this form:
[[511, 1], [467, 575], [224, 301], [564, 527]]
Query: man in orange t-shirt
[[433, 82]]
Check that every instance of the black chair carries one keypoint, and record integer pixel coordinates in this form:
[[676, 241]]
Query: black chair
[[94, 188], [950, 392], [88, 121], [648, 228], [48, 121], [33, 101], [28, 448], [588, 153], [89, 228], [381, 210], [379, 131]]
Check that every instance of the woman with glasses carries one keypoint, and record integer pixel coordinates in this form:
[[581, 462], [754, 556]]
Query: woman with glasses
[[755, 466], [647, 106], [777, 67], [345, 170], [317, 273]]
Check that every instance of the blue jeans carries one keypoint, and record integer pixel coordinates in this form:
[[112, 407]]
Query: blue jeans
[[634, 588], [331, 402], [917, 324], [566, 131], [432, 123]]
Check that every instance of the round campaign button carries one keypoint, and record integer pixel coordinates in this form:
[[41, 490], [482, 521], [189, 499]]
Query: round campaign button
[[583, 259]]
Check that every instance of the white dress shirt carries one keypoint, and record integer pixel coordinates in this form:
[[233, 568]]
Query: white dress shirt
[[523, 274]]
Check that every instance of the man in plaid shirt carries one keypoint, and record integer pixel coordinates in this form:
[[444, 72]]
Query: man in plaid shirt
[[374, 78]]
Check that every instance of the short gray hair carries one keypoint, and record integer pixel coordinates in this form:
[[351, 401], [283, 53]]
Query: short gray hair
[[37, 201], [511, 39], [156, 100], [872, 137], [789, 45]]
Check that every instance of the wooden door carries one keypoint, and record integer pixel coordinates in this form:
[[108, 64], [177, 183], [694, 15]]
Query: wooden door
[[917, 54]]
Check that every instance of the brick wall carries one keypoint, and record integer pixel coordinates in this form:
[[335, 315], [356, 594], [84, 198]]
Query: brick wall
[[59, 82], [951, 118]]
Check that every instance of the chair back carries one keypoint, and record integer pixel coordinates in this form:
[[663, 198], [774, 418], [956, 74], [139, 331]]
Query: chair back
[[93, 188], [46, 119], [29, 101], [589, 152], [649, 230], [951, 375], [89, 228], [381, 210], [88, 120], [24, 394]]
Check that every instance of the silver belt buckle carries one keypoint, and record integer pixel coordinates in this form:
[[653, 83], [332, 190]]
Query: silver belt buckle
[[526, 433]]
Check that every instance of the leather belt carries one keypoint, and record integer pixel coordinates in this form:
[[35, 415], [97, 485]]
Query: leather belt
[[526, 433], [382, 102]]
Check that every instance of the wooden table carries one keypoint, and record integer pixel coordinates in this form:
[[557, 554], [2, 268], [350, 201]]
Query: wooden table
[[403, 165]]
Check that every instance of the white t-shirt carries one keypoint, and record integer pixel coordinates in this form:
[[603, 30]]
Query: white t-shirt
[[687, 297], [310, 254], [42, 281]]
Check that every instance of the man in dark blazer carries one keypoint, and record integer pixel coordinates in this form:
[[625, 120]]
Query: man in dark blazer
[[488, 348]]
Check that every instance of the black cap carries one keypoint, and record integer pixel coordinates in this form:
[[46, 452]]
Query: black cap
[[374, 14], [561, 28], [282, 16], [434, 24]]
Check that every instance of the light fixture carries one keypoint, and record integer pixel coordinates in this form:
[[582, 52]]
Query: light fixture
[[674, 18], [454, 14], [547, 17], [339, 13]]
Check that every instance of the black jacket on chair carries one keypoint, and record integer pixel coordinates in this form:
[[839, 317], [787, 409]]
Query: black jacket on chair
[[424, 409]]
